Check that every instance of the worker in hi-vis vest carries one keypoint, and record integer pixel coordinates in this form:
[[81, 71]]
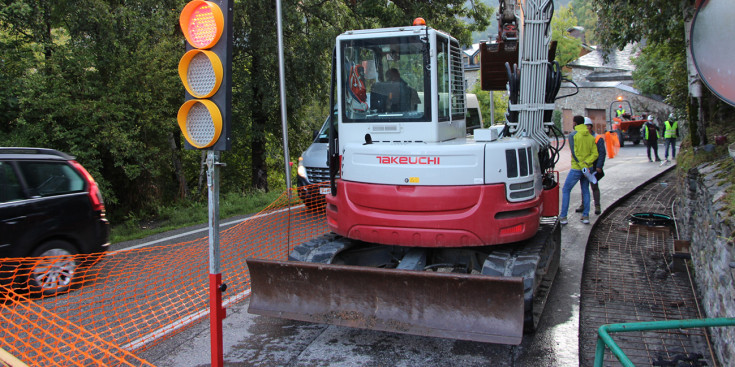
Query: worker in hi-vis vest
[[671, 132], [620, 111]]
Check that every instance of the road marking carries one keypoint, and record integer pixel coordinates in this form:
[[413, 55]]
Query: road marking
[[172, 327], [181, 323], [203, 230]]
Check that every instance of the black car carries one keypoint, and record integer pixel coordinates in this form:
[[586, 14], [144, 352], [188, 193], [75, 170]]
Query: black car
[[49, 206]]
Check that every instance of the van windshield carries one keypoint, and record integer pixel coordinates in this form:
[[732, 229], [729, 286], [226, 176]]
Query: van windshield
[[323, 135], [384, 79]]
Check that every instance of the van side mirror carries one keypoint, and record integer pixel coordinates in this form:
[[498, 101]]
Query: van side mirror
[[314, 134]]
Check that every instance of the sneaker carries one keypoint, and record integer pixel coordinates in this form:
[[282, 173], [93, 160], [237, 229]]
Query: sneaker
[[598, 210], [650, 160], [585, 220], [658, 160], [580, 209], [563, 220]]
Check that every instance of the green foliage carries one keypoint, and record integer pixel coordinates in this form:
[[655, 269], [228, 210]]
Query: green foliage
[[184, 214], [622, 22], [586, 17], [567, 48], [500, 100], [556, 119], [100, 82], [661, 70]]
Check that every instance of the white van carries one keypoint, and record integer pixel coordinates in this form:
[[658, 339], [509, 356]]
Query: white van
[[474, 115], [312, 168]]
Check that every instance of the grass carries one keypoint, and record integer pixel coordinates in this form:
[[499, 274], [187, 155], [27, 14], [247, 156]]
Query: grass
[[187, 214]]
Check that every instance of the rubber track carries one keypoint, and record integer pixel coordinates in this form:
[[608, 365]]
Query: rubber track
[[537, 261], [320, 249]]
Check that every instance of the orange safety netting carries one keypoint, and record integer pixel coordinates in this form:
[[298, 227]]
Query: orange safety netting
[[131, 300]]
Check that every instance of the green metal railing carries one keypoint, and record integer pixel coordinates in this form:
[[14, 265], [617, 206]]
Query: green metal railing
[[605, 340]]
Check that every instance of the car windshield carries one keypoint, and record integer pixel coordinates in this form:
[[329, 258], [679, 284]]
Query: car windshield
[[384, 79]]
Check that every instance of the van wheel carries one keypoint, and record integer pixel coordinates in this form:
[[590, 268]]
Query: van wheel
[[54, 272]]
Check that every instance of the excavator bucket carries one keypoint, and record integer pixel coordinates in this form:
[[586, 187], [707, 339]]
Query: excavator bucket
[[447, 305]]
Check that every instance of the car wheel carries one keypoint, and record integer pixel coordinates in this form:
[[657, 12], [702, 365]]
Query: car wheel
[[54, 273]]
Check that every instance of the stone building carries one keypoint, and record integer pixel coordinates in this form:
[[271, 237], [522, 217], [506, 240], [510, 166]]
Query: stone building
[[601, 82]]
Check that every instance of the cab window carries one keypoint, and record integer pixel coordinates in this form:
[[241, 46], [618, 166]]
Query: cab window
[[384, 79]]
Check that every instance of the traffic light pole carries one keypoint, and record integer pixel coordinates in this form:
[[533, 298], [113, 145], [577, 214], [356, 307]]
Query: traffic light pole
[[216, 312]]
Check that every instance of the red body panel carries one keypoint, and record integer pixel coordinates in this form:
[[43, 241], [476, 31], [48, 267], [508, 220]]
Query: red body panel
[[430, 216]]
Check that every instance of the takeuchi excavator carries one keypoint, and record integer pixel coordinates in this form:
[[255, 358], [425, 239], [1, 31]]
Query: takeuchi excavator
[[432, 231]]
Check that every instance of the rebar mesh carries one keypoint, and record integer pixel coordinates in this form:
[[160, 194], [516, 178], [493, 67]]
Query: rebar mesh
[[629, 277]]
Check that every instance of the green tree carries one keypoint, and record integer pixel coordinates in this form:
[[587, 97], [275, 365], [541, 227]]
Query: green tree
[[661, 70], [567, 47], [499, 104], [586, 18], [100, 82], [661, 24]]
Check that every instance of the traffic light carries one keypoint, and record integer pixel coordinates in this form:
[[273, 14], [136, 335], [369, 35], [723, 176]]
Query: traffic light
[[205, 69]]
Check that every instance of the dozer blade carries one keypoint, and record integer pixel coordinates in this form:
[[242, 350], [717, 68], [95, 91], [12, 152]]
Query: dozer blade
[[447, 305]]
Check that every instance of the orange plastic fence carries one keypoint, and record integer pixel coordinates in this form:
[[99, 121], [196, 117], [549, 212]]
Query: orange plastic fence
[[131, 300]]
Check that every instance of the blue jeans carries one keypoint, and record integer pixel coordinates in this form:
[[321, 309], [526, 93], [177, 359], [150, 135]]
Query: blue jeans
[[672, 142], [572, 178]]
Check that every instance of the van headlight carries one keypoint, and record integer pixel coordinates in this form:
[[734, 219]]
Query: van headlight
[[301, 170]]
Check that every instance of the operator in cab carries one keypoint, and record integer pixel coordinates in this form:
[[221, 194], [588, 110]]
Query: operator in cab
[[406, 99]]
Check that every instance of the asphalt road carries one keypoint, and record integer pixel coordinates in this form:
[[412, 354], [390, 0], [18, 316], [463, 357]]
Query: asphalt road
[[252, 340]]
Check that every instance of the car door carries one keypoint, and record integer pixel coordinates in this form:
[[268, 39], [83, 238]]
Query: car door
[[16, 211], [59, 200]]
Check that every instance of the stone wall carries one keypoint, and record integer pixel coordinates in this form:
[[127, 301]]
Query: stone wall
[[702, 217]]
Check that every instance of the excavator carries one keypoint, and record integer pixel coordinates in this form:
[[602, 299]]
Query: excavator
[[433, 231]]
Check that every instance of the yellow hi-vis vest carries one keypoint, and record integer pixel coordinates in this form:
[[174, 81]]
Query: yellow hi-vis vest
[[670, 131]]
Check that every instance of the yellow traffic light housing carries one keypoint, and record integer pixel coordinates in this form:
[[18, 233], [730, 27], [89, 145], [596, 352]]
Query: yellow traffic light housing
[[201, 122], [202, 23], [205, 70], [201, 73]]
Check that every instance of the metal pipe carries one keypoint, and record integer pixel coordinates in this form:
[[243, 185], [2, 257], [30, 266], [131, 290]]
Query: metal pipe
[[284, 116], [604, 339]]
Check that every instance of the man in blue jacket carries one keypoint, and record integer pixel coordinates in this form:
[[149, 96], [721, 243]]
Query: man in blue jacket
[[584, 154]]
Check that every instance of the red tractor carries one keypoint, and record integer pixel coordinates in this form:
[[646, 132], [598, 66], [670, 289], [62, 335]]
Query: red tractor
[[624, 123]]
